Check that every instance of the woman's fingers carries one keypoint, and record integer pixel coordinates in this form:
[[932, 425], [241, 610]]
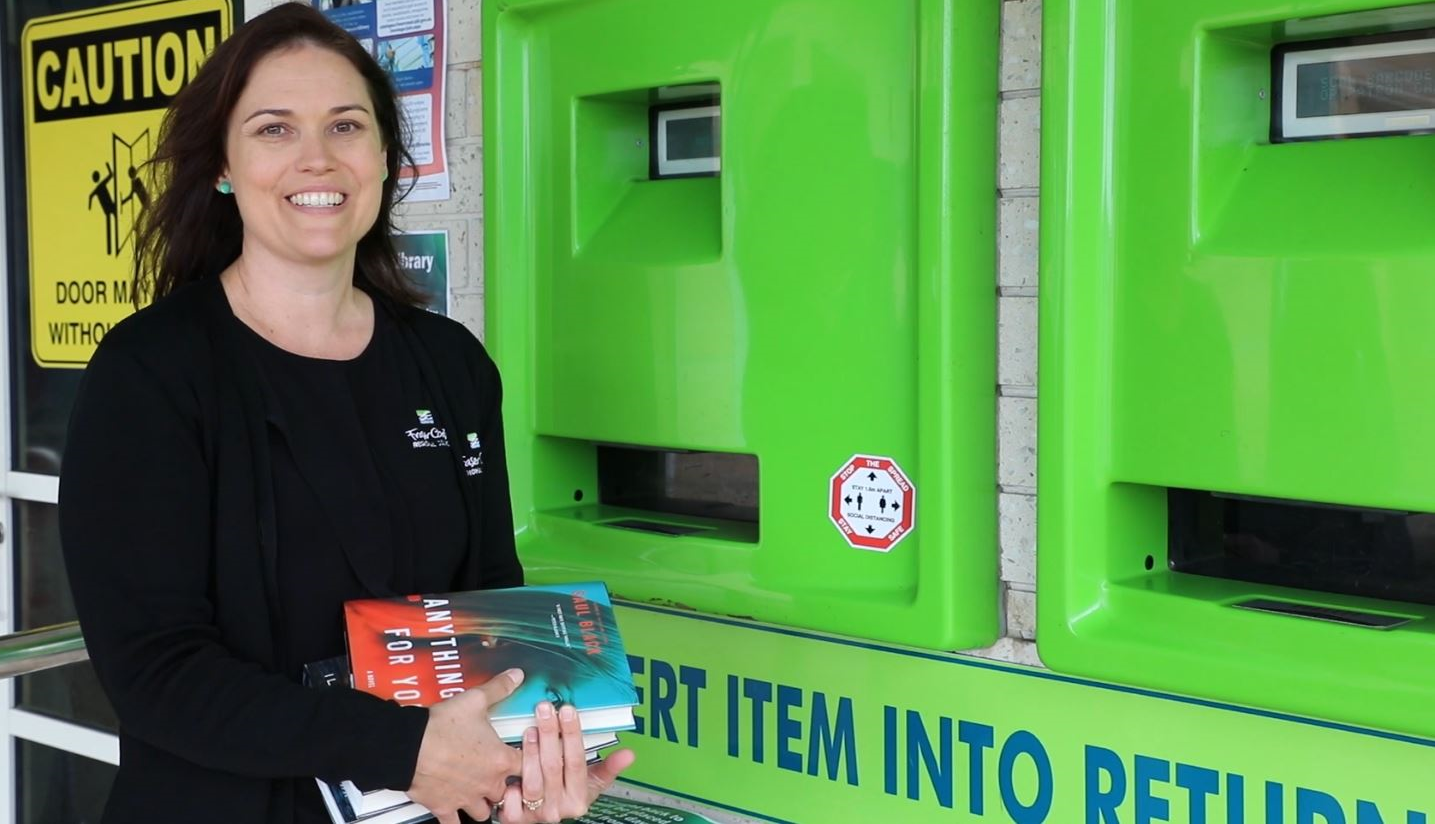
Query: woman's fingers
[[511, 808], [500, 686], [601, 776], [575, 763], [546, 804], [461, 760], [478, 811], [533, 777], [535, 784], [557, 782]]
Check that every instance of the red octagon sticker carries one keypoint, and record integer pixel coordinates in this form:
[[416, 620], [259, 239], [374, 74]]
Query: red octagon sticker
[[872, 502]]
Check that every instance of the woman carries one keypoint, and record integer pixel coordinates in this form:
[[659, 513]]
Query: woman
[[243, 459]]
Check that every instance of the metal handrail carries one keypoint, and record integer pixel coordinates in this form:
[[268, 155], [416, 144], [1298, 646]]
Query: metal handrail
[[32, 650]]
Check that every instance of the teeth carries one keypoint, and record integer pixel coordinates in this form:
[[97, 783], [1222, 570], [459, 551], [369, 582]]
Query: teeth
[[316, 199]]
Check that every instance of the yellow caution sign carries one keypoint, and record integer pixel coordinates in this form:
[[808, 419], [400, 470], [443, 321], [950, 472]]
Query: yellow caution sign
[[95, 85]]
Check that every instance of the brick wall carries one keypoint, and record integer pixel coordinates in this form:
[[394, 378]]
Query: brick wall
[[1018, 179]]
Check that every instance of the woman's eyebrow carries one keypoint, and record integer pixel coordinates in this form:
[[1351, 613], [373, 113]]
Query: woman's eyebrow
[[347, 107]]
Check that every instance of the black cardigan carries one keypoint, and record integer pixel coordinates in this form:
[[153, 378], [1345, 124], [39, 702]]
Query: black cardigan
[[167, 523]]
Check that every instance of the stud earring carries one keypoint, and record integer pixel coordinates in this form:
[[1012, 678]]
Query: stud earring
[[224, 187], [384, 176]]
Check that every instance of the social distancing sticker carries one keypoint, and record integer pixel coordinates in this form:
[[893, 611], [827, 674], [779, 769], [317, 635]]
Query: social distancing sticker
[[95, 85], [872, 502]]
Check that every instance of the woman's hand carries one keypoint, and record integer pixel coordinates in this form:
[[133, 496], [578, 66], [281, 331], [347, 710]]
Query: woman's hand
[[462, 762], [557, 782]]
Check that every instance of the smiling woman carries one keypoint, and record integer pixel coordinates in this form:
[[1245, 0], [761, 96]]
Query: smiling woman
[[238, 465], [306, 169], [242, 108]]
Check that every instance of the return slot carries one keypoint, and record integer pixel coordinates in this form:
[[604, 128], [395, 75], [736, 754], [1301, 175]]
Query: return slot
[[673, 530], [1370, 620]]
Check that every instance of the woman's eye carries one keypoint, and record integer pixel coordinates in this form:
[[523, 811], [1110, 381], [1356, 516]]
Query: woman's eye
[[346, 127], [272, 130]]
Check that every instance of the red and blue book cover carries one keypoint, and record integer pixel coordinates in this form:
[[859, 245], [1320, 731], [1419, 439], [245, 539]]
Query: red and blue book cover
[[421, 649]]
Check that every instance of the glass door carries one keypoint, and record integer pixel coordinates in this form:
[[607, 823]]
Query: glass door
[[60, 750]]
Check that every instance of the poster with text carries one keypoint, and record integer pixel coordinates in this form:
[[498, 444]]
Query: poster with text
[[407, 38], [423, 256], [95, 86]]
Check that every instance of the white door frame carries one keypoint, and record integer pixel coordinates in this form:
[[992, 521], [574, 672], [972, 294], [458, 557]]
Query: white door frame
[[17, 724]]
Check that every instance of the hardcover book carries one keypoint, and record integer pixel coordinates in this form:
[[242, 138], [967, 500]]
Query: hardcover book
[[421, 649], [346, 803]]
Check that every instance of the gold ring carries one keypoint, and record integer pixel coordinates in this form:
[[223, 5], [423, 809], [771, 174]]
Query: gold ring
[[532, 805], [496, 805]]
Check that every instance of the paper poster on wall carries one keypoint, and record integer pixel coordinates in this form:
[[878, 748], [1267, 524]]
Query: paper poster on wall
[[253, 8], [95, 85], [407, 38], [424, 257]]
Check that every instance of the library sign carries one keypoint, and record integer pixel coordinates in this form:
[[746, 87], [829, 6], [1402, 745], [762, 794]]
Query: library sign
[[95, 85], [789, 726]]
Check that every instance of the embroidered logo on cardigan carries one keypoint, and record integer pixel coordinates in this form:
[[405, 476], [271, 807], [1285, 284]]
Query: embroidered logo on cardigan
[[473, 464], [428, 435]]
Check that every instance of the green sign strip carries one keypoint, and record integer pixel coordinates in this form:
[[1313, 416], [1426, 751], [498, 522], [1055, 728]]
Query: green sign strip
[[787, 725]]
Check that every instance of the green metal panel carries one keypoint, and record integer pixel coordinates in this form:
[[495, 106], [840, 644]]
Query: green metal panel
[[830, 293], [1223, 313]]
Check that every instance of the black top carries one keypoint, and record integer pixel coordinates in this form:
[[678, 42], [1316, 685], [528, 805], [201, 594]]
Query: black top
[[370, 419], [220, 498], [398, 495]]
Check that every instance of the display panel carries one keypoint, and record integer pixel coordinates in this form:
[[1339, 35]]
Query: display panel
[[1354, 87], [685, 140], [1368, 86]]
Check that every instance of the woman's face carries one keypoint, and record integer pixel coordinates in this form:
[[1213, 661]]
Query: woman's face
[[305, 157]]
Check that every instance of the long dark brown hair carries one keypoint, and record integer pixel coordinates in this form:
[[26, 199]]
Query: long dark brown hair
[[190, 231]]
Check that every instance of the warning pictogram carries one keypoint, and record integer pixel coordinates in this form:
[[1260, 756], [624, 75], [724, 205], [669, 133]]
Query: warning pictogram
[[872, 502]]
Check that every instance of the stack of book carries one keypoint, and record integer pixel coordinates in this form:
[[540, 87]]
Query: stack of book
[[421, 649]]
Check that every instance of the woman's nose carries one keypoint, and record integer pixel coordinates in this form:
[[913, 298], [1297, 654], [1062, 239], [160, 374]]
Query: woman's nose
[[315, 154]]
